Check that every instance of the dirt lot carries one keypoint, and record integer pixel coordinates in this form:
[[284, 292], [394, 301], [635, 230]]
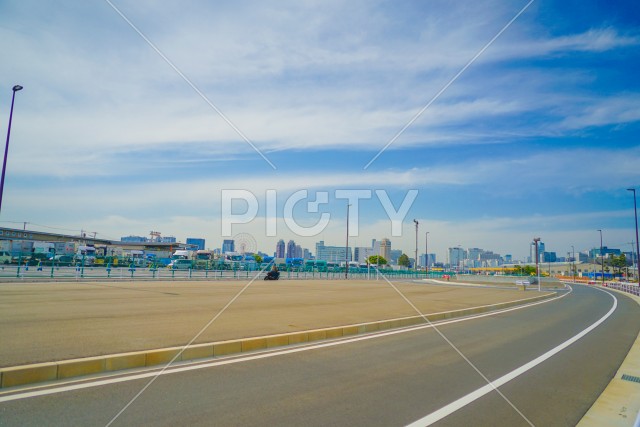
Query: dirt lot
[[55, 321]]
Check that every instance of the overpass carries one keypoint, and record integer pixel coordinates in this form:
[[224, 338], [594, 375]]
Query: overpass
[[13, 234]]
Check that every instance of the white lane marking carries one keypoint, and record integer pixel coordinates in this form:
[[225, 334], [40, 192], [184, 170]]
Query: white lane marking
[[474, 395], [82, 384]]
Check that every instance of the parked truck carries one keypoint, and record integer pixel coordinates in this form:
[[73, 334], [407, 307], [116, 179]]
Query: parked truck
[[85, 254]]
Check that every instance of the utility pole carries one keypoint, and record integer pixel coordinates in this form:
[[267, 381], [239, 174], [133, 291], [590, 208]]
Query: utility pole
[[536, 240], [573, 263], [601, 257], [346, 249], [415, 266], [426, 251], [635, 209]]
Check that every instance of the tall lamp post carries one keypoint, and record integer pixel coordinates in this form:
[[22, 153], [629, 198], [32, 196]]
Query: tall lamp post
[[601, 258], [426, 251], [573, 263], [415, 266], [346, 249], [6, 148], [536, 240], [635, 209]]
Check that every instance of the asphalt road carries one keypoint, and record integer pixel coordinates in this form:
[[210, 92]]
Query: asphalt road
[[391, 380]]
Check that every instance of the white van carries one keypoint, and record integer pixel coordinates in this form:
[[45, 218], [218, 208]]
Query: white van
[[5, 257], [181, 264]]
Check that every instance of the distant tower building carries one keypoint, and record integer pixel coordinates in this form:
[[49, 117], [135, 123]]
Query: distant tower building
[[532, 252], [385, 249], [375, 247], [336, 254], [428, 258], [197, 242], [280, 249], [298, 251], [362, 254], [291, 249], [456, 257], [228, 246], [306, 254], [395, 254]]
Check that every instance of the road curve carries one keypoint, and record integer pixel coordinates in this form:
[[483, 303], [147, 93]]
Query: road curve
[[387, 381]]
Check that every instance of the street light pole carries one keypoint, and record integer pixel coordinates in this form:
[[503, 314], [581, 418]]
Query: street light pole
[[536, 240], [426, 251], [415, 265], [633, 260], [346, 249], [635, 209], [601, 257], [6, 148], [573, 263]]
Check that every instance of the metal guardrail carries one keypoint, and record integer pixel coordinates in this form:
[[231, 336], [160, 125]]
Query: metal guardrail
[[631, 288]]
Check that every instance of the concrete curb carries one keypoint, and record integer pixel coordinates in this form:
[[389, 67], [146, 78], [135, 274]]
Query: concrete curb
[[619, 403], [50, 371]]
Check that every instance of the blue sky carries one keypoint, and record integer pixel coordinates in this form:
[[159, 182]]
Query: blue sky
[[537, 137]]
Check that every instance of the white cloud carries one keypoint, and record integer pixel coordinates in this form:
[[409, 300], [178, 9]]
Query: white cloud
[[103, 118]]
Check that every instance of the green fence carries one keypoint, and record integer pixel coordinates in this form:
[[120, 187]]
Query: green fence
[[42, 270]]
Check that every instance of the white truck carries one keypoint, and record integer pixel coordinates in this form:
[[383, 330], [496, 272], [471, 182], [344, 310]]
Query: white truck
[[43, 247], [86, 254], [183, 254]]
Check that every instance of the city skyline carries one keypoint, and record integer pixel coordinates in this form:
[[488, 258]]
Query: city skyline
[[534, 134]]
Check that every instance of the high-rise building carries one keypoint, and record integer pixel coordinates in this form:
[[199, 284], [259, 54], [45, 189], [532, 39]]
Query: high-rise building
[[306, 254], [385, 249], [280, 249], [395, 255], [291, 249], [168, 239], [595, 253], [474, 254], [228, 246], [197, 242], [375, 247], [532, 252], [456, 257], [332, 253], [298, 252], [361, 254], [431, 258]]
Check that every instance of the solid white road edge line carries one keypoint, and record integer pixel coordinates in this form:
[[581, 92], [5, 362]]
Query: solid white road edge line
[[82, 384], [474, 395]]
